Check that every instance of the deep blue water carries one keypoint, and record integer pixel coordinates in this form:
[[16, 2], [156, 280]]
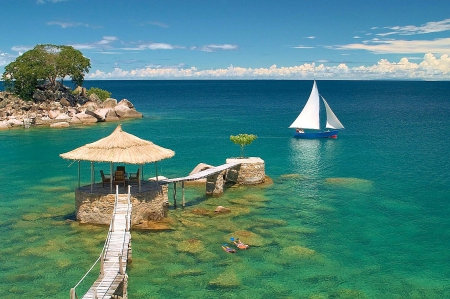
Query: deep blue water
[[361, 216]]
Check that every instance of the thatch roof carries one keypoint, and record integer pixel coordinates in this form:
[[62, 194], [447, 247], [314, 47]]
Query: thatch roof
[[120, 147]]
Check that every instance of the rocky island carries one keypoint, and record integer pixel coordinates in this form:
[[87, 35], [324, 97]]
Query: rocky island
[[61, 107]]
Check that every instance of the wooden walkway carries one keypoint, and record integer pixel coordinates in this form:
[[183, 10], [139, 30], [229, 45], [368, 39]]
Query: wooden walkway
[[201, 174], [193, 177], [114, 256]]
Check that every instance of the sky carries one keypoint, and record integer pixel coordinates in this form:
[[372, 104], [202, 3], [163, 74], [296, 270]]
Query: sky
[[245, 39]]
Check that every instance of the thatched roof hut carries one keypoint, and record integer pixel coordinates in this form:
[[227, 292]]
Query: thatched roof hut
[[120, 147]]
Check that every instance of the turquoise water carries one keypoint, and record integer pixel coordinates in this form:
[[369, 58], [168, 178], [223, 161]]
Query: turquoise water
[[361, 216]]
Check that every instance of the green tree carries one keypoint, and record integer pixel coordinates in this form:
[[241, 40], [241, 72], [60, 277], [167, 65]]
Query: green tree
[[101, 93], [44, 64], [243, 140]]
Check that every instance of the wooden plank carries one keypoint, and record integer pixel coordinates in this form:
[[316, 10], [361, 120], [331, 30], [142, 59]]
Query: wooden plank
[[118, 243]]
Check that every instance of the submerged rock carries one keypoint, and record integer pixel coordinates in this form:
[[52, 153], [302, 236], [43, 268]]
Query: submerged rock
[[227, 279], [351, 183]]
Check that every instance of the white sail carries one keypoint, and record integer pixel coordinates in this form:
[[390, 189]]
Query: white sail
[[332, 121], [309, 117]]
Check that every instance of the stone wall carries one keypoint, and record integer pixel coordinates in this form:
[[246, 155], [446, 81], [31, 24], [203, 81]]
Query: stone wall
[[250, 172], [97, 208], [214, 183]]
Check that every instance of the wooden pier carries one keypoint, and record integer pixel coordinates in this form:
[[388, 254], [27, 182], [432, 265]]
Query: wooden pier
[[214, 184], [115, 255]]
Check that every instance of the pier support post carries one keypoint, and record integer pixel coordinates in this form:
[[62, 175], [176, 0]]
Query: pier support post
[[182, 194], [102, 269], [120, 264], [125, 287], [174, 195], [214, 184]]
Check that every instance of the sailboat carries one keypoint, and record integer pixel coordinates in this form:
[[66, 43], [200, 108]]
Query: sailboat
[[309, 119]]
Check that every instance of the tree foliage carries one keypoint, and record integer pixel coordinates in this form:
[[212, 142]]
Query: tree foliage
[[243, 140], [45, 64], [101, 93]]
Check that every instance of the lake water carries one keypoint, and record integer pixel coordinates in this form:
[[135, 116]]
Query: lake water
[[361, 216]]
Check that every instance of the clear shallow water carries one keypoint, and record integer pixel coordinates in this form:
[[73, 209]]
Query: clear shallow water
[[362, 216]]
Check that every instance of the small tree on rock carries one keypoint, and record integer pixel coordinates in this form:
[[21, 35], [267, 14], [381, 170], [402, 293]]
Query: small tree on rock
[[44, 64], [243, 140]]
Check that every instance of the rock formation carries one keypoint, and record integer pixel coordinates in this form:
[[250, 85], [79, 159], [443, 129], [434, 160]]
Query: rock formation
[[61, 108]]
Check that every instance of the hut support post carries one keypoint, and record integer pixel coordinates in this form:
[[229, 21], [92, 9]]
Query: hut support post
[[156, 172], [182, 194], [79, 173], [141, 171], [174, 195], [92, 176], [111, 167]]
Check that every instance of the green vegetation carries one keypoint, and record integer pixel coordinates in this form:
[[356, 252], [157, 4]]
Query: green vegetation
[[44, 64], [102, 94], [243, 140]]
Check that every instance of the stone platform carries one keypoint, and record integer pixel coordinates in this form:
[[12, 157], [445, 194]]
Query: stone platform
[[96, 207]]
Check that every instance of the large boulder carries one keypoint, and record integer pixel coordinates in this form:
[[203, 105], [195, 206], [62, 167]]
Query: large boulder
[[109, 103], [127, 103], [94, 98], [84, 118], [98, 114], [90, 106], [13, 122], [53, 113], [63, 117], [61, 124], [80, 91], [64, 102], [124, 111], [4, 125], [111, 116]]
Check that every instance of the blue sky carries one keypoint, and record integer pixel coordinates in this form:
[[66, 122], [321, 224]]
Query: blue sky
[[245, 39]]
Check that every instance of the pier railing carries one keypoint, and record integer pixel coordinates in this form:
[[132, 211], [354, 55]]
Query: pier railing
[[114, 255]]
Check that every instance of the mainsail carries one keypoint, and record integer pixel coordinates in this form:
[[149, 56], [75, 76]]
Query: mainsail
[[309, 117]]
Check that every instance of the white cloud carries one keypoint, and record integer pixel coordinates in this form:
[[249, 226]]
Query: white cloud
[[67, 24], [105, 43], [311, 37], [49, 1], [21, 49], [214, 47], [152, 46], [430, 27], [377, 46], [430, 68], [108, 40], [302, 47], [6, 58], [159, 24]]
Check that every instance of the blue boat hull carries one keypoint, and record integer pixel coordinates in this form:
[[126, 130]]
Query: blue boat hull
[[317, 135]]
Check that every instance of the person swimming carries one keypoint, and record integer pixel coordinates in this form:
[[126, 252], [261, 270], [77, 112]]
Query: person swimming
[[239, 244], [228, 248]]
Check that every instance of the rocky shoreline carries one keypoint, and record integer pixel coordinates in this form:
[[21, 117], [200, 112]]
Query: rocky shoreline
[[61, 108]]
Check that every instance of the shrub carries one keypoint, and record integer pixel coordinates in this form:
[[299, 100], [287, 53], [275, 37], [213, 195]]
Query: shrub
[[243, 140], [102, 94]]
